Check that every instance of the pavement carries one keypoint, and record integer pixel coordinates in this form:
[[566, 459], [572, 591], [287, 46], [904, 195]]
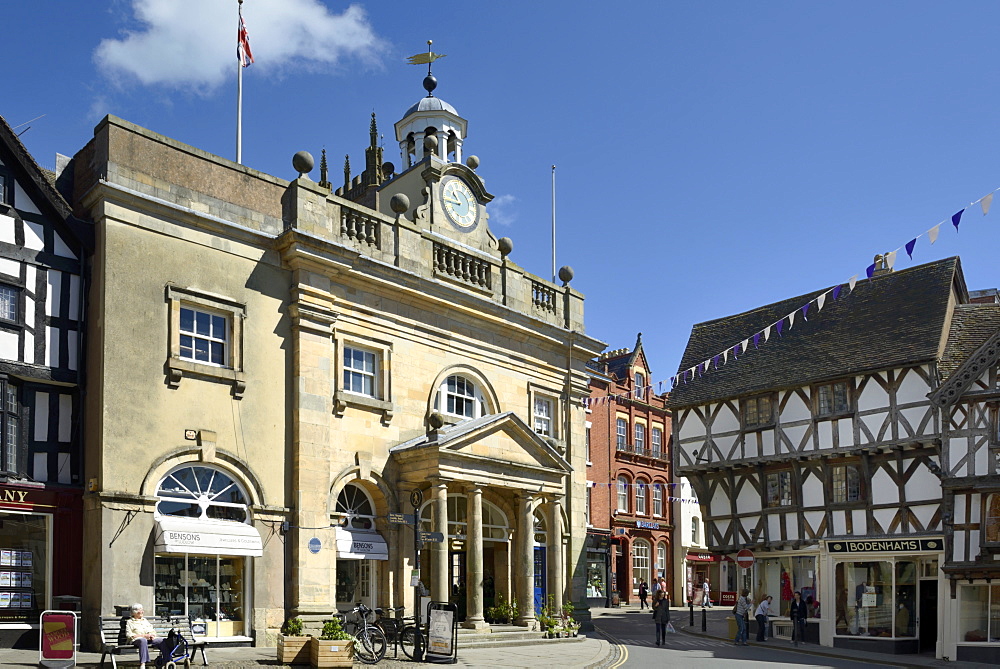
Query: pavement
[[600, 650], [717, 627]]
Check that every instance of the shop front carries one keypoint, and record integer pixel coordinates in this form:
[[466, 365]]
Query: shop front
[[598, 564], [202, 547], [40, 557], [885, 594]]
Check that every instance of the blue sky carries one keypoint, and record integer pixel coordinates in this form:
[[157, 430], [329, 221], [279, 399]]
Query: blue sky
[[712, 156]]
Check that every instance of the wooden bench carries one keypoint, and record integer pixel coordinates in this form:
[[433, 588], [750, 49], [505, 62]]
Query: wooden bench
[[113, 641]]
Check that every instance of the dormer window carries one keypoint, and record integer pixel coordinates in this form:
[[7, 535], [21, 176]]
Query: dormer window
[[640, 384]]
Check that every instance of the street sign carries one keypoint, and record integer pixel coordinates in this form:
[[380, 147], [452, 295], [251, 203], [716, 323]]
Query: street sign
[[436, 537], [745, 558], [401, 518]]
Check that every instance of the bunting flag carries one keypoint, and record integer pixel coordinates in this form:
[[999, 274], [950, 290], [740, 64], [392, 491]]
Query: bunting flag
[[835, 292]]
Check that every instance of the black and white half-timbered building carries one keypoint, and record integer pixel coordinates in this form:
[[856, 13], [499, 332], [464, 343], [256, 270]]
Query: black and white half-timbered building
[[42, 256], [855, 453]]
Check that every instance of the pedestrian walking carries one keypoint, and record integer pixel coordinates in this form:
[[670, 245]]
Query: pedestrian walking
[[740, 611], [762, 613], [643, 594], [706, 598], [661, 615], [798, 612]]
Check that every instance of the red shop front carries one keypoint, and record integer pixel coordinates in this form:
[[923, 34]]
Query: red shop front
[[41, 556]]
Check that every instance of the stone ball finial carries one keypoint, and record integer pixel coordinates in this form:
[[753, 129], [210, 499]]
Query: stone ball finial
[[506, 245], [431, 143], [472, 162], [399, 203], [388, 168], [565, 274], [436, 421], [303, 162]]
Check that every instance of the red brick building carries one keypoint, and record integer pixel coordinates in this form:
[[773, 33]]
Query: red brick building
[[630, 517]]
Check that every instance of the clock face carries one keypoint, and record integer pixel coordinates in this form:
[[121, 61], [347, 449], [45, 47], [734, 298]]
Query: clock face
[[459, 203]]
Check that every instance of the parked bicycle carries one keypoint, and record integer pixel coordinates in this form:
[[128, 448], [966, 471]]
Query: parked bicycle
[[371, 642]]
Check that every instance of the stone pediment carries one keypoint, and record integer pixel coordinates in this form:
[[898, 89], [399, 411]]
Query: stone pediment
[[497, 450]]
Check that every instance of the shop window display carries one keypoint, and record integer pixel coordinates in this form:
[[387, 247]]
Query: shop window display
[[876, 598], [781, 577], [208, 590], [23, 566], [979, 620], [595, 575]]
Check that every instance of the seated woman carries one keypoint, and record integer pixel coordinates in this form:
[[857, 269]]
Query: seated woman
[[140, 633]]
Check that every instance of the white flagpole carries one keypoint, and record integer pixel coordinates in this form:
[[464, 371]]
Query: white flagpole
[[239, 94], [553, 224]]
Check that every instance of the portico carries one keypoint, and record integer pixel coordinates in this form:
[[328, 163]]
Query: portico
[[488, 483]]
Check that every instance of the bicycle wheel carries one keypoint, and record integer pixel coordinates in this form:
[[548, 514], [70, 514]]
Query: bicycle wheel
[[370, 646], [408, 639]]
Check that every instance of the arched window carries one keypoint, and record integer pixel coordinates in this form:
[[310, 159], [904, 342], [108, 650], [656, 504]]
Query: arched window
[[640, 563], [358, 512], [661, 560], [694, 531], [623, 494], [495, 526], [541, 529], [203, 492], [459, 396], [640, 497], [657, 499]]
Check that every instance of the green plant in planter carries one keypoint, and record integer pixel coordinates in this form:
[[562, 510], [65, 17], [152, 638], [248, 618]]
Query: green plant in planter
[[332, 631], [292, 627]]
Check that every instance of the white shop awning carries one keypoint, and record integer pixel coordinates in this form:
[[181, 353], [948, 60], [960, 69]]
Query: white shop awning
[[208, 537], [357, 545]]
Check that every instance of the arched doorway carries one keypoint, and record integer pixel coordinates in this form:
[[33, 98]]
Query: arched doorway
[[360, 549]]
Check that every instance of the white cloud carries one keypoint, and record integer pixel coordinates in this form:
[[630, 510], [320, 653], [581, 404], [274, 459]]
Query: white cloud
[[192, 43], [503, 210]]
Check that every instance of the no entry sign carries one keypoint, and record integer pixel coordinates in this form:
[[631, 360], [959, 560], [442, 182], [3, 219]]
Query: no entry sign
[[745, 558]]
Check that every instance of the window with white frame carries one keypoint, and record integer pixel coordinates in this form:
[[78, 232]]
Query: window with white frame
[[640, 497], [640, 563], [661, 560], [543, 416], [590, 491], [203, 492], [657, 442], [587, 443], [979, 617], [640, 384], [204, 336], [360, 370], [623, 494], [8, 302], [694, 531], [621, 434], [640, 438], [12, 459], [657, 499], [846, 483], [459, 396]]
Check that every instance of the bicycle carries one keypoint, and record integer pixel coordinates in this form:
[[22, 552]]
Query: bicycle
[[370, 644]]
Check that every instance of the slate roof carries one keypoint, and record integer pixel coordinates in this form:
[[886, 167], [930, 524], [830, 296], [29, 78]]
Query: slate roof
[[971, 326], [893, 320]]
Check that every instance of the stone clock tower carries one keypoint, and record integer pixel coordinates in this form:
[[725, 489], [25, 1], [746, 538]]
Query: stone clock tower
[[446, 196]]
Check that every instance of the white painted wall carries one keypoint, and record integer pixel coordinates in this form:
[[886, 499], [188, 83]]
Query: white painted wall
[[34, 236], [795, 409], [812, 491], [860, 522], [923, 485], [7, 224], [748, 500], [727, 421], [9, 346]]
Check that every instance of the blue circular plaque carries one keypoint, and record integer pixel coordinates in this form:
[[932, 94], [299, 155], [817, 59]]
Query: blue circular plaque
[[314, 545]]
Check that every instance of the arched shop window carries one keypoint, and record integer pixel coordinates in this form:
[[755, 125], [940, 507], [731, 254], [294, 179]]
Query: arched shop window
[[356, 508], [203, 492]]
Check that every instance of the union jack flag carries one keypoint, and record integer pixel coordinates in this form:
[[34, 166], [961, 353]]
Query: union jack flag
[[243, 52]]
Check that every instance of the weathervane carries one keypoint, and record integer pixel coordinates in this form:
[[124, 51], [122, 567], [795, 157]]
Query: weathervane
[[430, 83]]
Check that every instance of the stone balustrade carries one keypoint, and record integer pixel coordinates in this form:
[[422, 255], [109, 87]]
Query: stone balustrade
[[462, 266], [360, 227]]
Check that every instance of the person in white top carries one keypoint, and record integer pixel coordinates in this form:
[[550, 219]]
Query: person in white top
[[763, 611], [706, 598], [140, 633]]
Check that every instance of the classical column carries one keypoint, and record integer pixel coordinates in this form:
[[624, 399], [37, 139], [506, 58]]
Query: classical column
[[474, 561], [525, 583], [554, 554], [440, 587]]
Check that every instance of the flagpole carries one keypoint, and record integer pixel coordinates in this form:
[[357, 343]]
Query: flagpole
[[553, 224], [239, 95]]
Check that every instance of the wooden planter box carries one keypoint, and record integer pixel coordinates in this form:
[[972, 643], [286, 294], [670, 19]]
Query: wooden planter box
[[293, 649], [331, 653]]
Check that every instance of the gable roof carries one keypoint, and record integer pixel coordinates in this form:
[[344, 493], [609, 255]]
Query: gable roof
[[973, 346], [893, 320], [621, 365], [39, 183]]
